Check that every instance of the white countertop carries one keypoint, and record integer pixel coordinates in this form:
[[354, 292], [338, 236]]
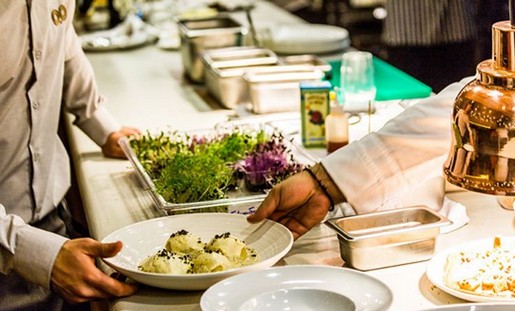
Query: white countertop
[[146, 89]]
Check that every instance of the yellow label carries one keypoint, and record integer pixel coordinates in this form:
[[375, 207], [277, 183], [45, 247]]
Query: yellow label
[[315, 108]]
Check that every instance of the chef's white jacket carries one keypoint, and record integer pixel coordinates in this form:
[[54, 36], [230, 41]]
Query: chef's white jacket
[[402, 163]]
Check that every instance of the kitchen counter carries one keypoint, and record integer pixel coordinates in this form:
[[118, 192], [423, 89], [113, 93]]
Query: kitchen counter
[[146, 89]]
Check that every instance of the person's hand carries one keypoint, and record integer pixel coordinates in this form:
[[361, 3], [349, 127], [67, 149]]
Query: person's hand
[[76, 278], [111, 148], [298, 203]]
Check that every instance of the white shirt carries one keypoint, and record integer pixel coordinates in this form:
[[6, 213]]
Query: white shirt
[[402, 163], [43, 66]]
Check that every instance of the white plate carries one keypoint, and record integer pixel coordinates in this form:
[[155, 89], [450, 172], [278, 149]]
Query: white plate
[[271, 241], [250, 291], [306, 38], [435, 268], [105, 41], [475, 307], [131, 33]]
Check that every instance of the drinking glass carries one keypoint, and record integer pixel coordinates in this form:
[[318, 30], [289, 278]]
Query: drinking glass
[[357, 81]]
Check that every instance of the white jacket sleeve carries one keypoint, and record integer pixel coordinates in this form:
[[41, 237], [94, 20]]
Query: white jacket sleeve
[[379, 171]]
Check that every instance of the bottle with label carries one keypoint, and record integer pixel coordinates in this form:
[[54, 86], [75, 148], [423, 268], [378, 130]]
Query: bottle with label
[[314, 109], [336, 125]]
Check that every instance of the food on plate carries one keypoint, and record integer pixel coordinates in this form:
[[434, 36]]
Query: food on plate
[[211, 262], [183, 242], [231, 247], [167, 262], [486, 272], [215, 163], [185, 253]]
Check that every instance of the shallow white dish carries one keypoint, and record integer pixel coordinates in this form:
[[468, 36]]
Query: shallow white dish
[[475, 307], [325, 286], [106, 41], [271, 241], [435, 269], [131, 33], [306, 38]]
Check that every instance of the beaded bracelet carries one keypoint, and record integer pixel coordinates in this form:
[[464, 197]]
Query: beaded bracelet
[[322, 186]]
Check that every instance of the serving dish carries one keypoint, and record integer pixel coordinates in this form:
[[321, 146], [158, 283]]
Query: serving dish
[[241, 199], [388, 238], [324, 285], [201, 34], [108, 41], [305, 38], [436, 269], [131, 33], [270, 239]]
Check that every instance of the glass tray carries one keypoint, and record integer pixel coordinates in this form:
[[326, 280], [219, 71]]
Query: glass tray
[[241, 201]]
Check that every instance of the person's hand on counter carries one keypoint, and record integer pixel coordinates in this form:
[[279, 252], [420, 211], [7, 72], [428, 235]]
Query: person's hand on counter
[[299, 202], [76, 278], [111, 148]]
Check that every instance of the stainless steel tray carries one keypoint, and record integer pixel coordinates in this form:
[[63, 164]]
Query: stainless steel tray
[[388, 238], [308, 60], [224, 69], [200, 35], [241, 201], [276, 88]]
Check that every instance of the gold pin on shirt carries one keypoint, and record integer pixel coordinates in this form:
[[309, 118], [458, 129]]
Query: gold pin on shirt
[[59, 15]]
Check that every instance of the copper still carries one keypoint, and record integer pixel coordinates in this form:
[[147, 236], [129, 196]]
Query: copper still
[[482, 154]]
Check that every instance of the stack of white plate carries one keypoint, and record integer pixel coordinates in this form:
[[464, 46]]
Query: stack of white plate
[[305, 38]]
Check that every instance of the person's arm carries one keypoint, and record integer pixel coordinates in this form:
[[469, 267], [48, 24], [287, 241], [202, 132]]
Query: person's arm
[[371, 174], [82, 98], [376, 172], [54, 262], [299, 202], [20, 244]]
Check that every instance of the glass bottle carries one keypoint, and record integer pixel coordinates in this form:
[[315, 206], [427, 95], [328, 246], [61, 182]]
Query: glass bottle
[[336, 125]]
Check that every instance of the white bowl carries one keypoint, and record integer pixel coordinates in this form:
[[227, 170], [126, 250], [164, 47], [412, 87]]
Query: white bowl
[[298, 287], [270, 239]]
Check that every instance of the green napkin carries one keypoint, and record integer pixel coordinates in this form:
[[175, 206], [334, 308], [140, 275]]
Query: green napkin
[[391, 83]]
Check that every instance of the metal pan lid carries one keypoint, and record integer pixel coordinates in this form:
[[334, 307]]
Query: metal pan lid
[[306, 59], [287, 73], [221, 23], [239, 56]]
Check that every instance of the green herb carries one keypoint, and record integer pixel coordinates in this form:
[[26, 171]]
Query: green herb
[[197, 168], [194, 177], [155, 151]]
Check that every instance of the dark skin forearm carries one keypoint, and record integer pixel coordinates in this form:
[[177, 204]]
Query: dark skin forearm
[[298, 202]]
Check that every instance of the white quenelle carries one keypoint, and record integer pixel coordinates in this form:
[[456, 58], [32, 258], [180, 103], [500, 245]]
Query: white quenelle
[[233, 248], [166, 262], [211, 262], [183, 242]]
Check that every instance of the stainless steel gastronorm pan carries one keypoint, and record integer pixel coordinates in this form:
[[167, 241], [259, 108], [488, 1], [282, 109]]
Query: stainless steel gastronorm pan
[[199, 35], [307, 59], [276, 88], [388, 238], [224, 69]]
